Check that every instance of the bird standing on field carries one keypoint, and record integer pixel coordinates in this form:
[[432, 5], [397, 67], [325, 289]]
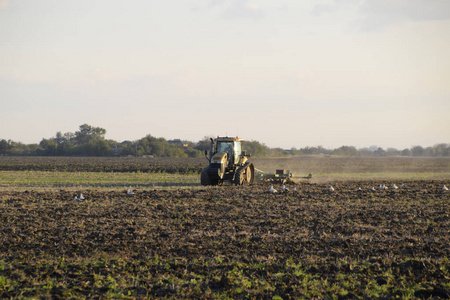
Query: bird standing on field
[[331, 188], [272, 190], [394, 186], [444, 188]]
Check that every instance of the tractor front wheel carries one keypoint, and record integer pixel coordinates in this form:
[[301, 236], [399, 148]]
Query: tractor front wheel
[[205, 179]]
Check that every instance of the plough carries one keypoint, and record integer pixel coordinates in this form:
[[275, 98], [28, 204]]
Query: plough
[[280, 176]]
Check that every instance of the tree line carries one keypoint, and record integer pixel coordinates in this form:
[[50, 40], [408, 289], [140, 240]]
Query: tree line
[[90, 141]]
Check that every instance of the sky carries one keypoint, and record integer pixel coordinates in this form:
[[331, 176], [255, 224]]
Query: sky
[[286, 73]]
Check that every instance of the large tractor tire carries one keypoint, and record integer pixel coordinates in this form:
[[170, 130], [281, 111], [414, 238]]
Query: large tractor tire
[[250, 173], [245, 175], [204, 178]]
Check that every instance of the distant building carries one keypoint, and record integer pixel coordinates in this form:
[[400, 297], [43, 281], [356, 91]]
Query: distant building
[[178, 142]]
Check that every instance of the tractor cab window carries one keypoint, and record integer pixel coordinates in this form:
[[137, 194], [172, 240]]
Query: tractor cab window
[[237, 148], [237, 152], [225, 147]]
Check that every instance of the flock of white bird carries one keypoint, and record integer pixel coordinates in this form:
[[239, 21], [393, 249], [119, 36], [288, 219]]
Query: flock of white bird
[[332, 189], [284, 190], [81, 197]]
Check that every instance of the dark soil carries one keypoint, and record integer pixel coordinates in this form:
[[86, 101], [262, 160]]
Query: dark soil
[[228, 242]]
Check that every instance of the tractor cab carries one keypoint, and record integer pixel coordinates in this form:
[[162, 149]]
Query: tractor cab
[[230, 146]]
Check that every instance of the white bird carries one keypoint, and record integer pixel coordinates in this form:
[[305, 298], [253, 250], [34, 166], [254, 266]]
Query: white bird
[[81, 196], [285, 189], [129, 192], [394, 186], [373, 189], [445, 188], [272, 190], [76, 199], [359, 189], [382, 187], [295, 189], [403, 185], [331, 188]]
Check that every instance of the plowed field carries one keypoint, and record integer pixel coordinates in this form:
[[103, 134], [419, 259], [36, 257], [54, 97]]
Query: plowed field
[[228, 242]]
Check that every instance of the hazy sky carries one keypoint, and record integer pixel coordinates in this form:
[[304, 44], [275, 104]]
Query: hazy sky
[[287, 73]]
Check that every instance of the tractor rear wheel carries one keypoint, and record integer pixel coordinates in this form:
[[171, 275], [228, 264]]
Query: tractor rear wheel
[[245, 175], [250, 173]]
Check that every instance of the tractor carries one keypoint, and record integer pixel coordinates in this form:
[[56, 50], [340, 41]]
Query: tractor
[[227, 163]]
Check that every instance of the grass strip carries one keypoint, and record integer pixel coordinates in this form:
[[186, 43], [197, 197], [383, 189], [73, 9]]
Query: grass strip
[[94, 179]]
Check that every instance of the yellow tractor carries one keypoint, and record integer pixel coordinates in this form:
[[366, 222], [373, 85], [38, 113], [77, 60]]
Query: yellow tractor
[[227, 163]]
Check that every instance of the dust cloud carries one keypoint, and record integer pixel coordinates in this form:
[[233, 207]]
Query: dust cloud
[[329, 168]]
